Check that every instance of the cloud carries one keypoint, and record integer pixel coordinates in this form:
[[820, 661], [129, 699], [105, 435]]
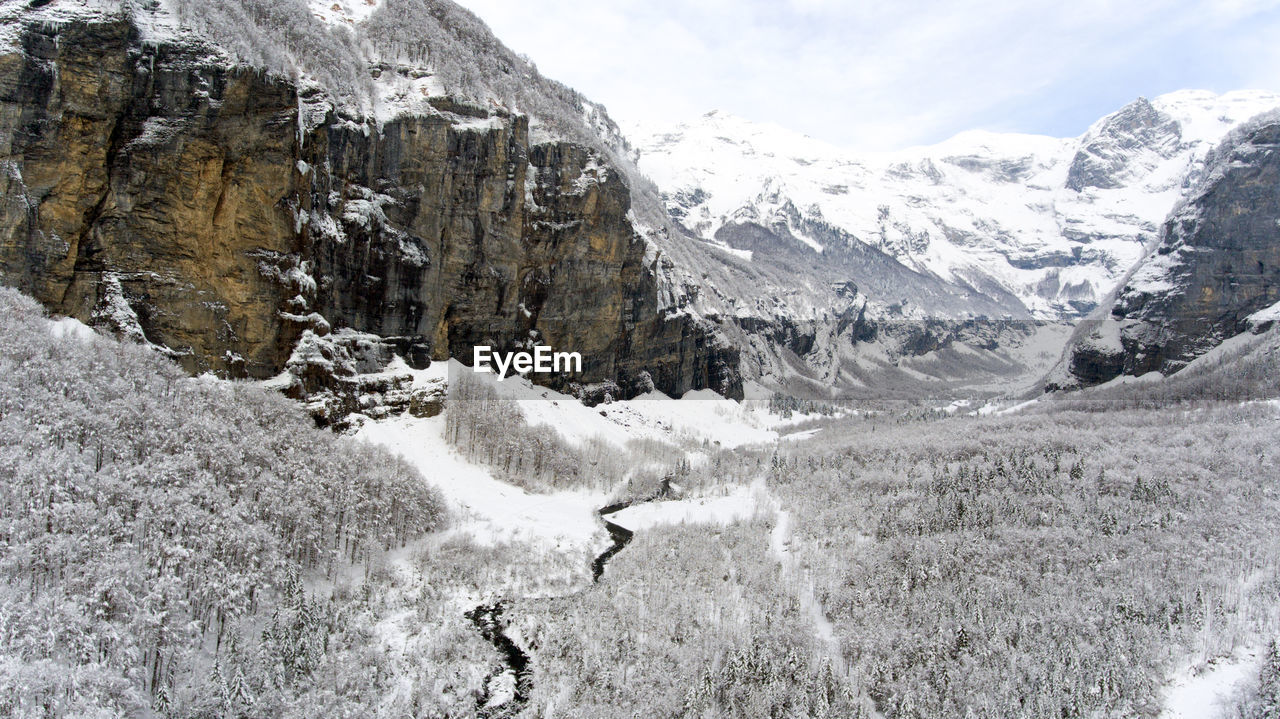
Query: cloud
[[883, 74]]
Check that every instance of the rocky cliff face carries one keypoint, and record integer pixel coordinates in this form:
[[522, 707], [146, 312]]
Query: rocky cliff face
[[1217, 264], [149, 191], [220, 213]]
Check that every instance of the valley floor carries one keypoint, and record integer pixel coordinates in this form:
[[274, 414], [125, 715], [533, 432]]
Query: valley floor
[[1097, 556], [872, 540]]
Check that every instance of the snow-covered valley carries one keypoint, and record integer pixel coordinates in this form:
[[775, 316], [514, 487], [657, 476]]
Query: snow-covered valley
[[804, 544], [492, 511], [985, 429], [563, 528], [568, 524]]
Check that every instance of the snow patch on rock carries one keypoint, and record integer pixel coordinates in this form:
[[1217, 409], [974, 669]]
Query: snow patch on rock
[[344, 13]]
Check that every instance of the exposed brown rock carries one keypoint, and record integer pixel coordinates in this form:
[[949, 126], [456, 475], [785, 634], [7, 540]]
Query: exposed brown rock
[[150, 187]]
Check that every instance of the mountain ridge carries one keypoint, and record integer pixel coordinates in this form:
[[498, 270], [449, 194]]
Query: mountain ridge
[[1039, 216], [1213, 275], [412, 180]]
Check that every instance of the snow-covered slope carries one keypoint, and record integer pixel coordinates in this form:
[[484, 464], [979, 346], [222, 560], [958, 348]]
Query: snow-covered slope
[[1055, 222], [344, 12]]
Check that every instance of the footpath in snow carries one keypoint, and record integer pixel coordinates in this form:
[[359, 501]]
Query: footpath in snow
[[793, 575]]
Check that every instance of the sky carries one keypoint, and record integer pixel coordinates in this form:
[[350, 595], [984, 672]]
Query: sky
[[880, 74]]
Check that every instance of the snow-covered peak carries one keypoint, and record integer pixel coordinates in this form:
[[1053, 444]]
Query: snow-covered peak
[[1205, 116], [995, 144], [1056, 222], [718, 130]]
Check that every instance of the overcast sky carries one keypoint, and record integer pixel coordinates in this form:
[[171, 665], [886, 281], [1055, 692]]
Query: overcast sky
[[880, 74]]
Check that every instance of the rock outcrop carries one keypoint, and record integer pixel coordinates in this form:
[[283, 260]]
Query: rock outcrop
[[1218, 263], [1137, 133], [222, 213]]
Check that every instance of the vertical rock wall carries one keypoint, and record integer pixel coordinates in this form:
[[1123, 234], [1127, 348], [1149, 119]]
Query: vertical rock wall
[[163, 193]]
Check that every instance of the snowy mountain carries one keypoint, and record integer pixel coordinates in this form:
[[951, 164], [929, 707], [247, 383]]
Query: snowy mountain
[[403, 175], [759, 254], [1212, 277], [1038, 224]]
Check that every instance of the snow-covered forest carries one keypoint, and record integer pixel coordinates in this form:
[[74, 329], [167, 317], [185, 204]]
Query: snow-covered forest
[[491, 430], [1053, 563], [159, 531], [191, 547], [436, 41]]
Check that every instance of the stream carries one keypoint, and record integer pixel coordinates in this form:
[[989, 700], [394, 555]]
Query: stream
[[620, 535], [488, 619]]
